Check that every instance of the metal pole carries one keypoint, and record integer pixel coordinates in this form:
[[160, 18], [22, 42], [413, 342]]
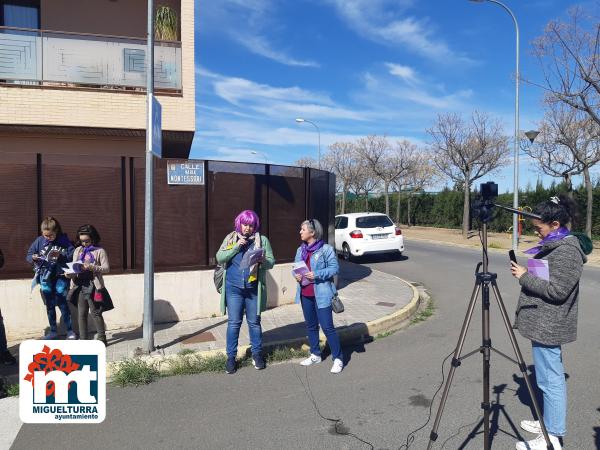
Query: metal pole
[[515, 233], [148, 318]]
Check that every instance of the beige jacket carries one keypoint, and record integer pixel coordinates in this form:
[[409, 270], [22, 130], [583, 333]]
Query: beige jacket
[[99, 268]]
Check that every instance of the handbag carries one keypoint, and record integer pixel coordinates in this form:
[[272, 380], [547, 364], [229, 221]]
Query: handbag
[[218, 277], [336, 304]]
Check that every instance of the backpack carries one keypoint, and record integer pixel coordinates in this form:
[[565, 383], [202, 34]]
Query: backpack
[[584, 242]]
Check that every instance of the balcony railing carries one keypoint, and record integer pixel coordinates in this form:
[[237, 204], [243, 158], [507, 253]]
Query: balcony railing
[[51, 57]]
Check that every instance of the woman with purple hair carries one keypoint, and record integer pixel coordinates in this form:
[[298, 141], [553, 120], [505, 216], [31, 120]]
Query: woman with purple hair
[[245, 256]]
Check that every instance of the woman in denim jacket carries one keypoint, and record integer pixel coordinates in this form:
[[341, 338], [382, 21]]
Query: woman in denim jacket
[[315, 291]]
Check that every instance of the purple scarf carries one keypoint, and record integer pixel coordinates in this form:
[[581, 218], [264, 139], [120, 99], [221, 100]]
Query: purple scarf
[[88, 251], [555, 235], [311, 248]]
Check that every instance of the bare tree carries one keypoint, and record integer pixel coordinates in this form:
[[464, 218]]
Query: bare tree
[[422, 174], [342, 161], [568, 55], [569, 145], [363, 182], [385, 162], [307, 161], [465, 152]]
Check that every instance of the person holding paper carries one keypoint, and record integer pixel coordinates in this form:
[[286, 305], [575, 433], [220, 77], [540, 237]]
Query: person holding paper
[[49, 253], [315, 265], [87, 282], [547, 310], [245, 255]]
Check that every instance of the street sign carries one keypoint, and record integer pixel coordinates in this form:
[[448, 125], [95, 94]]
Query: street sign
[[186, 172], [156, 125]]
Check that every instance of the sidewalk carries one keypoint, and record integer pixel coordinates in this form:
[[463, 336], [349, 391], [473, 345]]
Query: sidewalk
[[372, 300]]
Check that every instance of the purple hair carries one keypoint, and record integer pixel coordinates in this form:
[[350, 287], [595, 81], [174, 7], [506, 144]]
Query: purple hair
[[247, 217]]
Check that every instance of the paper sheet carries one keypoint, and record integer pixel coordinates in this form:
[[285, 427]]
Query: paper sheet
[[539, 268], [300, 268]]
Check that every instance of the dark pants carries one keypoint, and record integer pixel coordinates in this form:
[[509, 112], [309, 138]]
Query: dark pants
[[85, 303], [314, 317], [3, 346]]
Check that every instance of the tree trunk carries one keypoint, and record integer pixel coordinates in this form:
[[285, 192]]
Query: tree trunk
[[398, 210], [465, 222], [343, 208], [386, 188], [408, 209], [366, 202], [590, 202]]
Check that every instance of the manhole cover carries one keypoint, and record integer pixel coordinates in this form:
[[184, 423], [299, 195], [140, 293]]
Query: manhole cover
[[199, 338]]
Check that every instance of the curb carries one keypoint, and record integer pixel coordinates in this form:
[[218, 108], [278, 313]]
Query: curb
[[352, 333]]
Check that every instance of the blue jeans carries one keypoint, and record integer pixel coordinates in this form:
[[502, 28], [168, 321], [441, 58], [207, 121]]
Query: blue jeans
[[54, 292], [314, 317], [238, 300], [550, 376]]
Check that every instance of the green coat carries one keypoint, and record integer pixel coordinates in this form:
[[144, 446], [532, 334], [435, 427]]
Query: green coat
[[224, 255]]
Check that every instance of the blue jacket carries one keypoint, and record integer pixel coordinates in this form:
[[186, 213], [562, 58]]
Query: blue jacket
[[324, 264], [61, 244]]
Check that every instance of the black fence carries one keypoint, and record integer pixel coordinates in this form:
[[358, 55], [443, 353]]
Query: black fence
[[190, 221]]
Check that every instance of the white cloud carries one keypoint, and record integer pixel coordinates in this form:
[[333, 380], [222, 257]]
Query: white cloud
[[248, 23], [406, 73], [278, 102], [385, 21]]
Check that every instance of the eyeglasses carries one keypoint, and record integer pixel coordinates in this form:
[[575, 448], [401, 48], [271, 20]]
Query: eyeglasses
[[312, 223]]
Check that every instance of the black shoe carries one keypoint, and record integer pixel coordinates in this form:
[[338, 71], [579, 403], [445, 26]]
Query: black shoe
[[230, 366], [7, 359], [258, 361]]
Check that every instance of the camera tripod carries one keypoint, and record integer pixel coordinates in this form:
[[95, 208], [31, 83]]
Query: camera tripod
[[485, 280]]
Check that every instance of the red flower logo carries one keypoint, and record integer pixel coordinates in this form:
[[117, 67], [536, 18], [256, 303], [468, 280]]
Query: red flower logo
[[47, 361]]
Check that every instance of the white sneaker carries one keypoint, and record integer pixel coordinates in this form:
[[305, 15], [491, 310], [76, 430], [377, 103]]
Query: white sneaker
[[533, 426], [51, 335], [71, 336], [539, 443], [338, 365], [312, 359]]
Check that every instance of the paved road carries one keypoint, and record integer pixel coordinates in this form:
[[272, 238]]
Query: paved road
[[383, 393]]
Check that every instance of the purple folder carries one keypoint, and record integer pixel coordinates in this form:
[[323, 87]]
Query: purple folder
[[539, 268]]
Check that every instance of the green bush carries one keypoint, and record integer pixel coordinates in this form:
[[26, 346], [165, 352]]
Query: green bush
[[444, 209]]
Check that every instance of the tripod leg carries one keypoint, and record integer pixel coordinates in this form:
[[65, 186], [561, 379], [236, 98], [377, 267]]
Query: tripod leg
[[485, 350], [455, 363], [521, 361]]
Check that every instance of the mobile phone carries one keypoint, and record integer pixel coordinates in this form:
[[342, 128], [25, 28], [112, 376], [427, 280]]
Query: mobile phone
[[511, 255]]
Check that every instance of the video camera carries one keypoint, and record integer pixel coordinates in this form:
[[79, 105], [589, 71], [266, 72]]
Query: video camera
[[482, 208]]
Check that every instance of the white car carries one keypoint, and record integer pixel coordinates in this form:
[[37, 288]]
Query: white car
[[358, 234]]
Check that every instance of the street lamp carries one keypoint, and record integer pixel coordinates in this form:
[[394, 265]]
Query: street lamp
[[515, 236], [300, 120], [531, 135], [254, 152]]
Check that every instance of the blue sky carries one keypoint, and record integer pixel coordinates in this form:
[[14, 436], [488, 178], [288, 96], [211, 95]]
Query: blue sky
[[357, 67]]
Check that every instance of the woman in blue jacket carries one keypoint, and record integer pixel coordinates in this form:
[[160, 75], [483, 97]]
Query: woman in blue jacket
[[49, 253], [315, 291]]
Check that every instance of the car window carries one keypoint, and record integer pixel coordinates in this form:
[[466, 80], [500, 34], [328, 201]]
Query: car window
[[373, 222], [341, 223]]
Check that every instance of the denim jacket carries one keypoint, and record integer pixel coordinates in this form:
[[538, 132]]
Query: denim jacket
[[324, 265]]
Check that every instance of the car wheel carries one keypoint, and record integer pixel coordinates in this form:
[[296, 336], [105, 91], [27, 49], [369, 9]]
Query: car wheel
[[346, 252]]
